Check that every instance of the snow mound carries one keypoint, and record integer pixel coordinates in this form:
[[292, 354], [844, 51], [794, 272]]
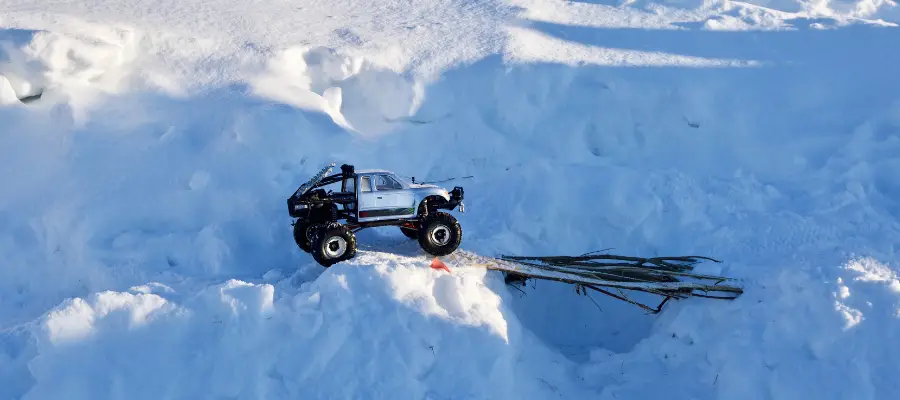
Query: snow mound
[[828, 12], [70, 68], [789, 335], [438, 335], [7, 94], [359, 93]]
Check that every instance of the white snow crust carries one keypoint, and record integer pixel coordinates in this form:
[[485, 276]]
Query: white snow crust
[[146, 251]]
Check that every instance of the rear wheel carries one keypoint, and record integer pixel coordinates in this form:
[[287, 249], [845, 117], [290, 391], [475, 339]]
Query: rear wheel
[[333, 244], [300, 235], [439, 234]]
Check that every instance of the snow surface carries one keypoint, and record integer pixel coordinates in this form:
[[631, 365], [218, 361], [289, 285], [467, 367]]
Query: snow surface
[[147, 251]]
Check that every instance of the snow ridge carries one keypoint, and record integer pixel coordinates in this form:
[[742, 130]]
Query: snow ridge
[[331, 338]]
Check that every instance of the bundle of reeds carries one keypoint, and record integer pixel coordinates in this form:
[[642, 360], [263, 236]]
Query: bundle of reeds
[[667, 277]]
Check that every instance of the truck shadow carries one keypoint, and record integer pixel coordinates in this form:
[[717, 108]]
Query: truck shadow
[[388, 239]]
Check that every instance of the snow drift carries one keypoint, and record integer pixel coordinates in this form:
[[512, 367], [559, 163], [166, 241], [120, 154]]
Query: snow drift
[[334, 337], [74, 69], [359, 94], [145, 238]]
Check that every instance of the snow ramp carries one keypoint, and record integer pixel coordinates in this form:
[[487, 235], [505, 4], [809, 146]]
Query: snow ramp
[[380, 326]]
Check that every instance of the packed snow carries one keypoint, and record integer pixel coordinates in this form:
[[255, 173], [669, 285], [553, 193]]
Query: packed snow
[[147, 149]]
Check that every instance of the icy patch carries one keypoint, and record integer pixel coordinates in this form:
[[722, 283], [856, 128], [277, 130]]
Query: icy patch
[[870, 275], [872, 271]]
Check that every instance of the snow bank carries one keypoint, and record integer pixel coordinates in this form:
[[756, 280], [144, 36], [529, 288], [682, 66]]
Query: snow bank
[[7, 94], [669, 161], [439, 335], [360, 94], [151, 221], [76, 68], [791, 335]]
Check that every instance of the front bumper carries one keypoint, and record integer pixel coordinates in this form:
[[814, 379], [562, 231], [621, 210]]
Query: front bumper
[[456, 199], [295, 208]]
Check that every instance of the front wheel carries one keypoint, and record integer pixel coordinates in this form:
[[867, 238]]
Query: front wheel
[[333, 245], [439, 234]]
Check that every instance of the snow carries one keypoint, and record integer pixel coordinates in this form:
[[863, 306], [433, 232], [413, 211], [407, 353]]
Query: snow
[[242, 340], [147, 251]]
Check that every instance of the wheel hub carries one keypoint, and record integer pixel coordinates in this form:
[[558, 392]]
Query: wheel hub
[[335, 247], [440, 235]]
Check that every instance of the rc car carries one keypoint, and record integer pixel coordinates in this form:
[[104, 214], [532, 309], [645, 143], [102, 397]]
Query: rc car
[[371, 198]]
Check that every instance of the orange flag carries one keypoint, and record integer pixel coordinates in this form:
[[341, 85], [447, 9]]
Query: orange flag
[[438, 264]]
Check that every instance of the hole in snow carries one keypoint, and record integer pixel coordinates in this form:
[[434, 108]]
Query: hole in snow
[[575, 325]]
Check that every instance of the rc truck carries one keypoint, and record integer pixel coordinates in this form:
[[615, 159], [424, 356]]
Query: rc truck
[[366, 199]]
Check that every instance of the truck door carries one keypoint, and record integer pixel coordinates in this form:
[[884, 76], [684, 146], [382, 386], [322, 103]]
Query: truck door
[[367, 199], [391, 200]]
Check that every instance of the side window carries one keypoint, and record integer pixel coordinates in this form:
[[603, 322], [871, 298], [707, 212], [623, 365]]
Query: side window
[[365, 185], [385, 182]]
